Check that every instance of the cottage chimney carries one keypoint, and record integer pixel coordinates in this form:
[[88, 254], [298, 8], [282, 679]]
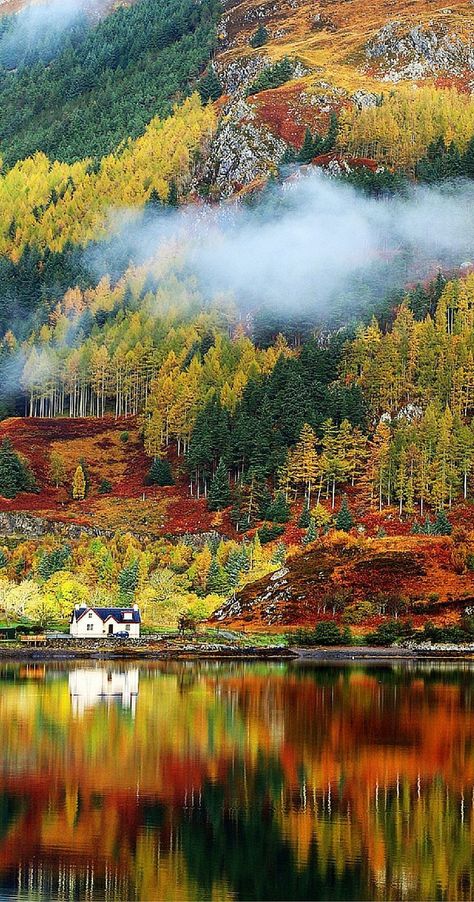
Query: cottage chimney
[[135, 607]]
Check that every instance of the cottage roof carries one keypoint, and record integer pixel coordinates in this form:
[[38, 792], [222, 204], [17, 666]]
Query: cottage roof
[[116, 614]]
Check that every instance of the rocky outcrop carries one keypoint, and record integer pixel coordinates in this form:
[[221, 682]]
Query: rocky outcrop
[[419, 52], [19, 523], [243, 150]]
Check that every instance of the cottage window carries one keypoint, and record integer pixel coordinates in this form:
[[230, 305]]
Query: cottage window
[[90, 613], [90, 626], [127, 627]]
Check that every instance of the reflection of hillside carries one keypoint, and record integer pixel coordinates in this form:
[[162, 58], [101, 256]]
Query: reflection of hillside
[[364, 775], [90, 687]]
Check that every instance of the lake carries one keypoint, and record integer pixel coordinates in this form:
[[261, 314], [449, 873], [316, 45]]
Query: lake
[[237, 781]]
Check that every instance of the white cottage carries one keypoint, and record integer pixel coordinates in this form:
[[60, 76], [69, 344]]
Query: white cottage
[[95, 623]]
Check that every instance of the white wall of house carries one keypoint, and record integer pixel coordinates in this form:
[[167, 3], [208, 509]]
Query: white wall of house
[[91, 626], [88, 627]]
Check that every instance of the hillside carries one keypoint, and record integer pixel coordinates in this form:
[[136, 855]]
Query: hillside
[[342, 57], [416, 577], [236, 310], [112, 450]]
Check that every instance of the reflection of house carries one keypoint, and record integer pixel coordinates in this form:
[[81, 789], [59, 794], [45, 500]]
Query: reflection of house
[[90, 687], [94, 623]]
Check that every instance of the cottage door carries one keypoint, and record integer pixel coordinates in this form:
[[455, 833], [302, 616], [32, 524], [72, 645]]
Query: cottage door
[[111, 629]]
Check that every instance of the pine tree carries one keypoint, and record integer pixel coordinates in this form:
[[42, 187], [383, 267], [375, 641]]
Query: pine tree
[[305, 517], [234, 567], [217, 579], [442, 526], [173, 199], [128, 581], [311, 533], [79, 484], [279, 555], [160, 473], [15, 475], [306, 154], [279, 510], [344, 520], [259, 37], [219, 492], [210, 87]]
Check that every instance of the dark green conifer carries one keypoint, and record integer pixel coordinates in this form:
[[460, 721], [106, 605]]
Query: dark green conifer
[[307, 151], [15, 475], [259, 37], [442, 526], [311, 533], [219, 492], [160, 473], [344, 520], [210, 86], [279, 510]]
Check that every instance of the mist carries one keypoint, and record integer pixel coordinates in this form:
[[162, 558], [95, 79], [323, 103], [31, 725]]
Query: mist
[[39, 30], [310, 244]]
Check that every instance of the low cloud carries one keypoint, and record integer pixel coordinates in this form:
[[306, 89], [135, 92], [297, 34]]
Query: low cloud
[[309, 244]]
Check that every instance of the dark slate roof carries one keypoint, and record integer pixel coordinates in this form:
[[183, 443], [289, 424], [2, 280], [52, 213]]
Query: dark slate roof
[[104, 613]]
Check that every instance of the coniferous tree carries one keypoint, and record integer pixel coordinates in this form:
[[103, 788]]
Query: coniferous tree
[[219, 493], [217, 579], [15, 475], [160, 473], [344, 519], [306, 153], [279, 510], [442, 525], [259, 37], [305, 517], [311, 533], [128, 581], [210, 86]]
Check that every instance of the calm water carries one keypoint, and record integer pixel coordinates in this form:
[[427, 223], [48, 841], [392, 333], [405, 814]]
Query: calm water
[[237, 782]]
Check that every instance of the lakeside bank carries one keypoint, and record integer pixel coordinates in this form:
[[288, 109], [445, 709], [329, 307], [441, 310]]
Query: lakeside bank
[[176, 650]]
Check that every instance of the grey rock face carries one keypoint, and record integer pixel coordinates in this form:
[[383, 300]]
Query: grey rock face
[[419, 52], [242, 150]]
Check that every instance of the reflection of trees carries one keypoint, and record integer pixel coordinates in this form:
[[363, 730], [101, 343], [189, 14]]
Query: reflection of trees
[[244, 847], [244, 782]]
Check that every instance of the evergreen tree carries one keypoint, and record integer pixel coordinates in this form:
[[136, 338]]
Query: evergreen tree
[[306, 153], [279, 555], [305, 518], [160, 473], [128, 581], [217, 579], [279, 510], [311, 533], [234, 567], [219, 492], [264, 502], [259, 37], [344, 519], [210, 86], [15, 475], [442, 526]]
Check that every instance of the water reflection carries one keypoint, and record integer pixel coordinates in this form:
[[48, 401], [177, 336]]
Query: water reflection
[[89, 687], [237, 782]]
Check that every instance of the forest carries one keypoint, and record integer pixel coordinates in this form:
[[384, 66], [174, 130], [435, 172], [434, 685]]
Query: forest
[[107, 84]]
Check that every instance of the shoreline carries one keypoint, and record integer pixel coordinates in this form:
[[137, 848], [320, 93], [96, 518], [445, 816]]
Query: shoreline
[[188, 651]]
